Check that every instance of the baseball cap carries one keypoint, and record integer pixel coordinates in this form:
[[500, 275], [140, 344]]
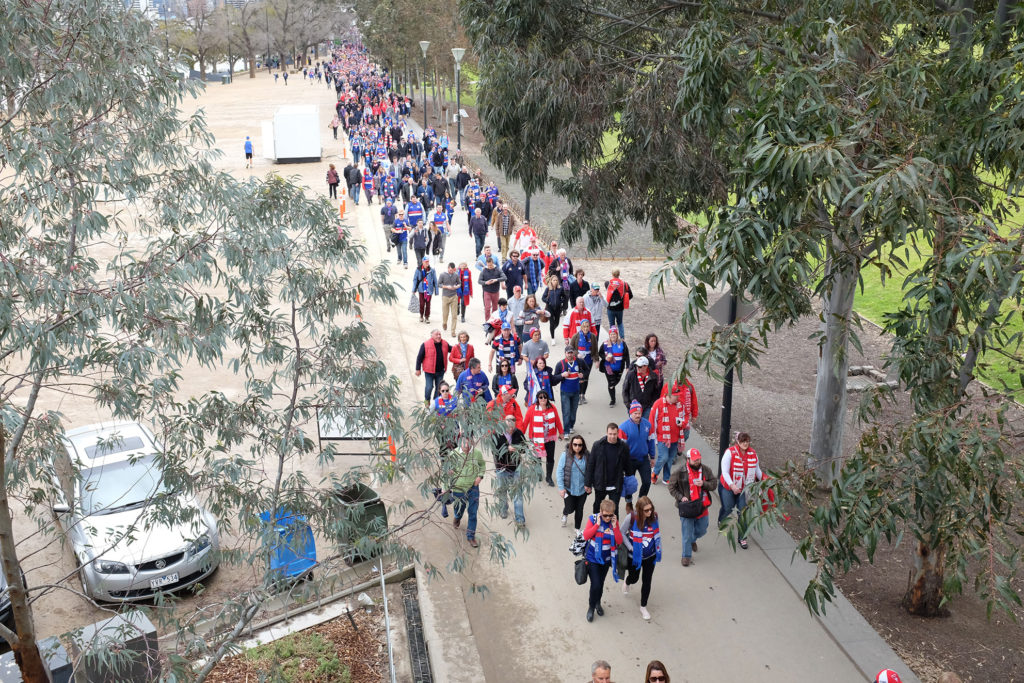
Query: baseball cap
[[642, 361], [887, 676], [506, 326], [694, 454], [595, 286], [634, 406], [426, 259]]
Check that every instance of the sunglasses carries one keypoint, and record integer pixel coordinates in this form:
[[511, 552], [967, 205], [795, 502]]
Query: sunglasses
[[607, 516], [444, 391], [657, 679], [578, 444], [646, 510]]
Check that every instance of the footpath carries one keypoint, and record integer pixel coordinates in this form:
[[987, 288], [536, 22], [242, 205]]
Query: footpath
[[729, 616]]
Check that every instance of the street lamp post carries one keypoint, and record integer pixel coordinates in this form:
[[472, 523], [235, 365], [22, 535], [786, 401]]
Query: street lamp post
[[424, 44], [458, 53], [266, 16]]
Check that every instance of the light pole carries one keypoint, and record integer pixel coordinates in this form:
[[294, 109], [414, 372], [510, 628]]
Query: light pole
[[458, 53], [424, 44], [266, 16]]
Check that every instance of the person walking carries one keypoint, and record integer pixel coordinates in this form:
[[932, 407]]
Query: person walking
[[543, 428], [432, 359], [333, 125], [333, 180], [465, 291], [578, 287], [514, 271], [571, 477], [505, 377], [538, 379], [606, 467], [585, 343], [353, 178], [530, 319], [478, 229], [368, 185], [535, 347], [603, 537], [643, 538], [506, 347], [469, 470], [462, 352], [656, 673], [556, 302], [567, 375], [740, 467], [448, 283], [695, 482], [424, 283], [400, 238], [641, 386], [636, 432], [506, 470], [593, 302], [516, 302], [472, 383], [655, 354], [420, 241], [577, 315], [503, 223], [490, 280], [388, 214], [285, 75], [670, 424], [248, 153], [614, 353], [618, 295]]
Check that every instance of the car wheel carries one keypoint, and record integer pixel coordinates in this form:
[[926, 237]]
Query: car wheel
[[81, 580]]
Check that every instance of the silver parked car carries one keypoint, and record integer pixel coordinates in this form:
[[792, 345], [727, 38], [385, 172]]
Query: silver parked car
[[124, 548]]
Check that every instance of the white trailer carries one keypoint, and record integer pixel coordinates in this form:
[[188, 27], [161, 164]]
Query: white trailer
[[294, 134]]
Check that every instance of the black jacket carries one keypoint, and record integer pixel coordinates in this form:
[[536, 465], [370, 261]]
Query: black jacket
[[504, 460], [606, 465], [631, 389]]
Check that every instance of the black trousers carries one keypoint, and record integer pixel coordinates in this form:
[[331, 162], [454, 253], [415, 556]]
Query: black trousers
[[573, 505], [597, 572], [644, 576], [549, 459], [610, 495]]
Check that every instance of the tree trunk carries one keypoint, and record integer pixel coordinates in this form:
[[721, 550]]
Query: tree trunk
[[26, 652], [202, 68], [829, 416], [924, 594], [252, 64]]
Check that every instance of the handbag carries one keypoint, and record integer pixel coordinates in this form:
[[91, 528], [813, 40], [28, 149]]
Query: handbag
[[580, 571], [691, 509], [414, 303], [624, 557]]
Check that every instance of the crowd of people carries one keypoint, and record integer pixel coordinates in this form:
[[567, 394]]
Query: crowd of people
[[527, 290]]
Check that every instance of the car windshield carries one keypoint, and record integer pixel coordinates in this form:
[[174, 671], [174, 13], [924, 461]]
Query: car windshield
[[120, 485], [132, 443]]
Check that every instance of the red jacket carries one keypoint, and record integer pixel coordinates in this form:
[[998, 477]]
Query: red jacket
[[456, 354], [686, 395], [669, 421], [540, 426], [508, 407], [575, 317], [427, 357]]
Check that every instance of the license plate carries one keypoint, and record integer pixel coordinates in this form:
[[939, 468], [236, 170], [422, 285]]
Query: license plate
[[164, 581]]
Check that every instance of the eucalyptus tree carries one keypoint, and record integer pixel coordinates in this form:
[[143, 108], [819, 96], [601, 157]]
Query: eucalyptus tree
[[132, 270], [819, 144]]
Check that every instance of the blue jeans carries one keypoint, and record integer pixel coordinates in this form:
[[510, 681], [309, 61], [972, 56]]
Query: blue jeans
[[730, 500], [615, 318], [403, 252], [434, 380], [354, 192], [570, 404], [479, 243], [506, 480], [666, 456], [693, 529], [471, 500]]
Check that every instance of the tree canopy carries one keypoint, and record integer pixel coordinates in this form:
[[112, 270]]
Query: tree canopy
[[816, 144]]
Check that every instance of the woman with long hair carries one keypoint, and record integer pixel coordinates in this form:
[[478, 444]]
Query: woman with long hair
[[461, 354], [556, 301], [530, 317], [571, 476], [644, 536], [614, 360], [505, 376], [543, 381], [543, 428], [657, 673], [655, 355]]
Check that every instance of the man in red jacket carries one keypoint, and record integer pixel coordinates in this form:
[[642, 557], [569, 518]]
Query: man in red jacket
[[619, 294], [432, 359]]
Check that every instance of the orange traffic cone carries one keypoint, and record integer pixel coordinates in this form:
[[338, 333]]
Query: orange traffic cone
[[391, 442], [341, 206], [359, 316]]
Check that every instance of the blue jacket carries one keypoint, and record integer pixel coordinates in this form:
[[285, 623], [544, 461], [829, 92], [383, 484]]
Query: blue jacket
[[514, 273], [424, 281], [577, 475], [470, 385], [639, 439]]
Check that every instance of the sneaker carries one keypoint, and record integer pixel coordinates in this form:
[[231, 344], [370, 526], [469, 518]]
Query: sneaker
[[687, 561], [421, 320], [610, 404], [625, 588], [645, 614], [654, 478], [743, 543], [583, 400], [563, 521]]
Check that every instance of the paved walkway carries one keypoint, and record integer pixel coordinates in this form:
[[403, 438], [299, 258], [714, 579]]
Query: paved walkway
[[730, 616]]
